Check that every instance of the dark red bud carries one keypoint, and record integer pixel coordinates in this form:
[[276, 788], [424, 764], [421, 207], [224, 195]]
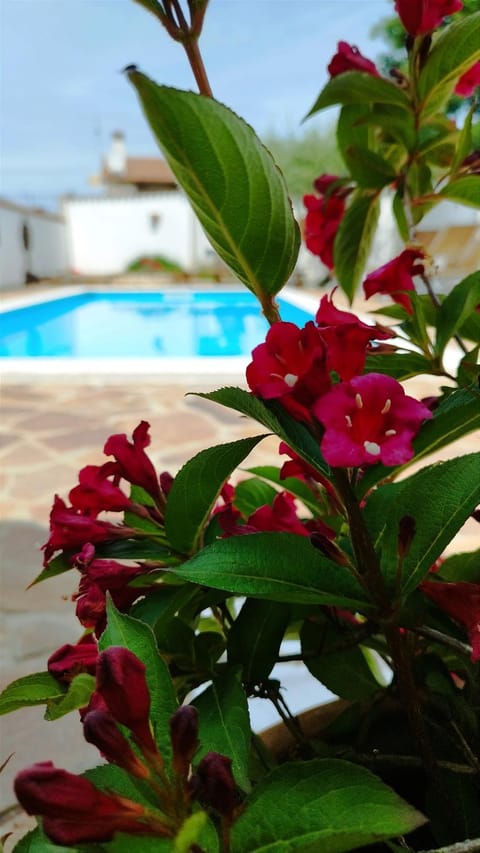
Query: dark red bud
[[213, 784], [406, 532], [329, 549], [100, 728], [184, 737], [122, 684]]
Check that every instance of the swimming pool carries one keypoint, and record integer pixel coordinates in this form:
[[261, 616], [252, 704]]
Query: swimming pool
[[80, 327]]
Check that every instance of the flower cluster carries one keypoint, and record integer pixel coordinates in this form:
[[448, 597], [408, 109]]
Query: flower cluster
[[75, 811], [365, 418]]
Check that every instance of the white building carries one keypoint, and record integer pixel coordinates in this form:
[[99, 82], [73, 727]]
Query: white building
[[33, 245]]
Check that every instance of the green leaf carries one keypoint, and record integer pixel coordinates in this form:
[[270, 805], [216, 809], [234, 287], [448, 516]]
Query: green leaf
[[440, 498], [224, 724], [276, 419], [356, 87], [196, 829], [354, 239], [368, 168], [461, 567], [255, 637], [77, 696], [344, 671], [465, 140], [291, 484], [58, 566], [160, 605], [465, 190], [231, 179], [136, 549], [352, 127], [456, 49], [399, 365], [454, 418], [326, 804], [196, 488], [124, 631], [398, 207], [467, 371], [456, 308], [32, 689], [36, 842], [253, 493], [278, 566]]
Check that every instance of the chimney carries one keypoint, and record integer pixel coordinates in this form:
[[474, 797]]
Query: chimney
[[117, 155]]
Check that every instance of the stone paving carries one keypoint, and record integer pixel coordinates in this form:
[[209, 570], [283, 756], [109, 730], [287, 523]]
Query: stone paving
[[50, 429]]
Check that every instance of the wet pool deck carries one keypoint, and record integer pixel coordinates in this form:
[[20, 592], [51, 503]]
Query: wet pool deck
[[51, 427]]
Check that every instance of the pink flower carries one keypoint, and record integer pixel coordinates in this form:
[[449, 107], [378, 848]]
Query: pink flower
[[324, 215], [469, 81], [461, 601], [349, 58], [395, 277], [133, 463], [346, 338], [422, 16], [280, 516], [74, 811], [68, 661], [70, 529], [290, 366], [369, 419]]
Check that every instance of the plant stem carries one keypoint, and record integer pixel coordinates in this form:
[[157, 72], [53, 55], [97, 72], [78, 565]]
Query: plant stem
[[432, 633], [196, 63], [470, 845]]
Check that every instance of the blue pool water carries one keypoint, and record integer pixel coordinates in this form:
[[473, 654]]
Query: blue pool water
[[139, 325]]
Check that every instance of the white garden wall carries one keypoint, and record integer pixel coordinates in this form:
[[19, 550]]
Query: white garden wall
[[106, 234], [32, 242]]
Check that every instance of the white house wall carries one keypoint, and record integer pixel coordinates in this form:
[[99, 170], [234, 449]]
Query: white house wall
[[47, 255], [107, 234]]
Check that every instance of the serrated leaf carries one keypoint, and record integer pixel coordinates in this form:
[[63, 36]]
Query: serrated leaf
[[456, 308], [77, 696], [440, 498], [36, 842], [255, 637], [455, 417], [58, 566], [32, 689], [354, 239], [465, 190], [196, 488], [224, 724], [132, 634], [232, 181], [456, 49], [326, 804], [356, 87], [277, 566], [368, 168], [276, 419]]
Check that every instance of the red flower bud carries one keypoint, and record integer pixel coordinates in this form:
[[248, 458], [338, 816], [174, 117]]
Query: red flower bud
[[349, 58], [406, 533], [68, 661], [122, 684], [213, 784], [100, 728], [74, 810], [184, 738]]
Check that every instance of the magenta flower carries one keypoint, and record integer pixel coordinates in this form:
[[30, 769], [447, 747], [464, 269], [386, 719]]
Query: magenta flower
[[396, 277], [347, 339], [469, 81], [74, 811], [369, 419], [324, 215], [68, 661], [133, 463], [349, 58], [290, 366], [461, 601], [423, 16]]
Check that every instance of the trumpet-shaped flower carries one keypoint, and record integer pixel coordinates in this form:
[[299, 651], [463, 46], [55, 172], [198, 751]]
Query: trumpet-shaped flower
[[349, 58], [395, 278], [369, 419], [423, 16], [324, 215], [133, 464]]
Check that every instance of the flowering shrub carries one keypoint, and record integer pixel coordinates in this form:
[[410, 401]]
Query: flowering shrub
[[190, 583]]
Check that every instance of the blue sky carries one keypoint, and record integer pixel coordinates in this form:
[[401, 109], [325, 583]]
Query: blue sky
[[62, 91]]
